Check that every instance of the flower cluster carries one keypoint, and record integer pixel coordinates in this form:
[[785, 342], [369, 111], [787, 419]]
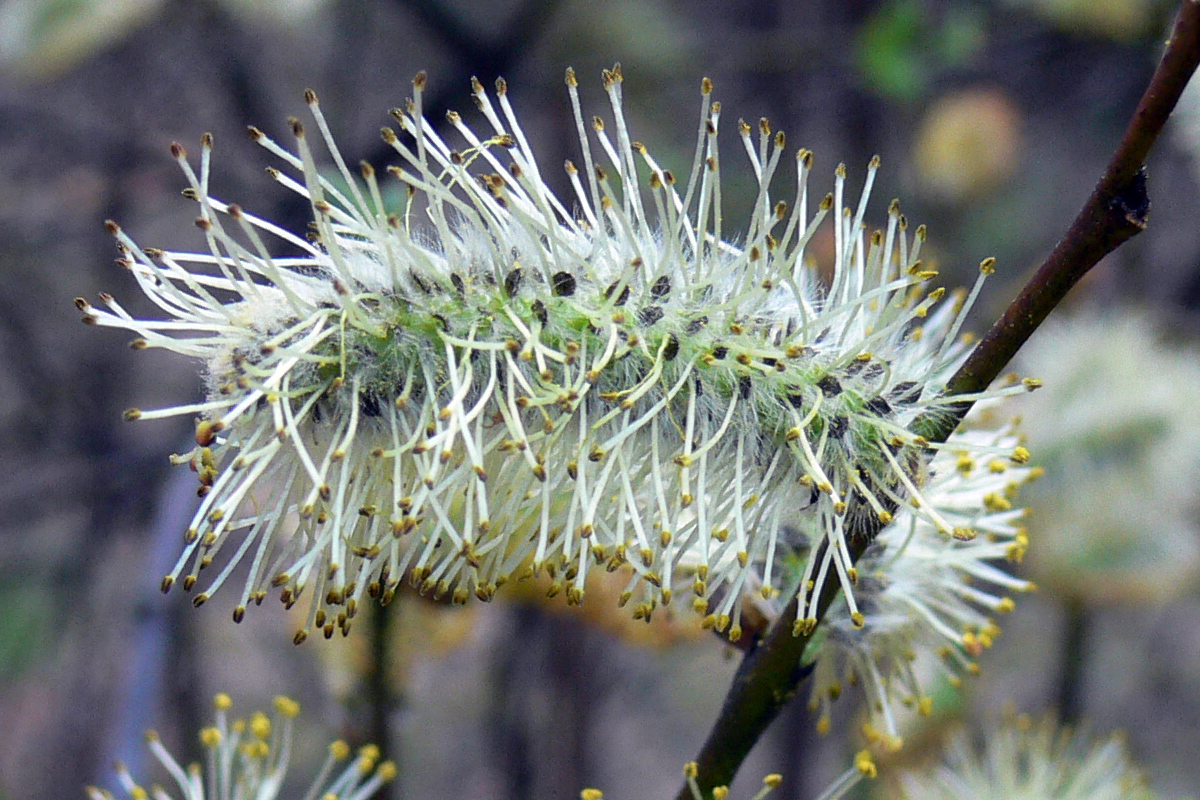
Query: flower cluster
[[1112, 450], [863, 767], [1028, 760], [511, 387], [249, 759], [922, 593]]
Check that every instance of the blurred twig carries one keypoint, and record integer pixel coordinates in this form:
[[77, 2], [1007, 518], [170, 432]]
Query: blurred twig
[[1117, 210], [473, 54], [1071, 666], [144, 679], [525, 24], [797, 734], [542, 675], [382, 698]]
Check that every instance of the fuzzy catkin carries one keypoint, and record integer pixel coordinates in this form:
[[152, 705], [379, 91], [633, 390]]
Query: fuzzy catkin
[[492, 383]]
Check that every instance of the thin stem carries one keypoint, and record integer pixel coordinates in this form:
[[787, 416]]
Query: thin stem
[[1117, 210], [771, 673]]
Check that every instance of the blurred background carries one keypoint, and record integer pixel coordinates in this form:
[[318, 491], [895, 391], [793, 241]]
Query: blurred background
[[994, 118]]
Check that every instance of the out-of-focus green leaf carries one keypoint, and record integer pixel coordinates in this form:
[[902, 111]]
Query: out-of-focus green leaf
[[961, 36], [24, 627], [43, 38], [901, 46], [48, 17], [888, 51]]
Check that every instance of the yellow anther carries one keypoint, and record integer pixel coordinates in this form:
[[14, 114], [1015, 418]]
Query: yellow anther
[[256, 749], [864, 764], [994, 501], [260, 725], [804, 627], [286, 706]]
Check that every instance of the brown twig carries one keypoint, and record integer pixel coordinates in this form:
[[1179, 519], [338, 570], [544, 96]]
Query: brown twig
[[1117, 210], [766, 681]]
